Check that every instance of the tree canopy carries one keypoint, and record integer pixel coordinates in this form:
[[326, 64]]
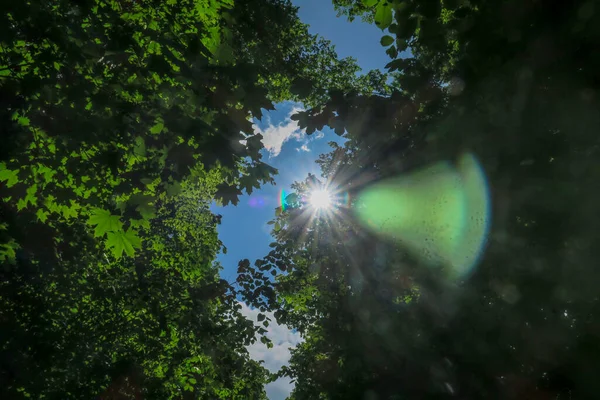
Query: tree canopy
[[122, 121], [515, 83]]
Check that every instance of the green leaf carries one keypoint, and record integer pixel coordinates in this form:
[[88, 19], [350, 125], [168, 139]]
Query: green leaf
[[41, 215], [154, 48], [383, 15], [173, 189], [7, 251], [104, 222], [157, 128], [396, 65], [139, 149], [392, 51], [10, 176], [140, 223], [260, 317], [21, 204], [387, 40], [31, 197], [120, 242], [370, 3], [401, 44], [23, 121], [70, 212], [46, 172], [144, 205]]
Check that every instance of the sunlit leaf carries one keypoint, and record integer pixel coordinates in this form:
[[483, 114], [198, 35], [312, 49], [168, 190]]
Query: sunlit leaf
[[9, 176], [157, 128], [123, 242], [383, 15], [41, 215], [103, 222]]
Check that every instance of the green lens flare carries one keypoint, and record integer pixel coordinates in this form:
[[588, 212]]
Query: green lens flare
[[282, 201], [440, 213]]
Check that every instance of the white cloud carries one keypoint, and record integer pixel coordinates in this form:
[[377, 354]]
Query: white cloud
[[283, 338], [280, 389], [274, 136]]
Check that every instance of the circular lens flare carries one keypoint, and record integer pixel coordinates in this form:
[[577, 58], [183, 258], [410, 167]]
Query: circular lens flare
[[321, 199], [441, 213]]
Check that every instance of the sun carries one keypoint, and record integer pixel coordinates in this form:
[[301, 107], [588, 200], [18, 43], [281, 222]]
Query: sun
[[321, 199]]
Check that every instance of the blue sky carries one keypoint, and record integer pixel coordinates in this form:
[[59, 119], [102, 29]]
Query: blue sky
[[244, 229]]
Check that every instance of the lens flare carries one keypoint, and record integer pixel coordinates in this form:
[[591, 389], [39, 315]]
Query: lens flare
[[257, 201], [282, 202], [342, 199], [441, 213]]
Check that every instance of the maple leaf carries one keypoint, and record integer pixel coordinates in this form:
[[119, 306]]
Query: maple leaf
[[42, 215], [10, 176], [104, 222], [119, 242]]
